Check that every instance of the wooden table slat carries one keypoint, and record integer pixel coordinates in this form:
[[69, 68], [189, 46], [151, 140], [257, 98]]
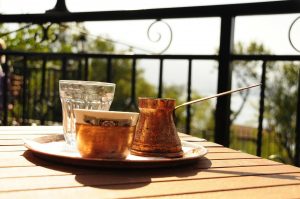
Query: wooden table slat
[[272, 192], [41, 172], [145, 189], [12, 148]]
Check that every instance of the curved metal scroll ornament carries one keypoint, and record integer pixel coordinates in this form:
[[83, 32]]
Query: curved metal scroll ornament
[[290, 30], [159, 35], [45, 34]]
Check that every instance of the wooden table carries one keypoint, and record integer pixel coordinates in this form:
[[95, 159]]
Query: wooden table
[[222, 173]]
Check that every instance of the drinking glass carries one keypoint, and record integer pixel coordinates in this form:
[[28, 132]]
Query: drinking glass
[[84, 95]]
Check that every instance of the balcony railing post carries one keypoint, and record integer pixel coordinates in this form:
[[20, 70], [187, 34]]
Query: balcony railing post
[[222, 115]]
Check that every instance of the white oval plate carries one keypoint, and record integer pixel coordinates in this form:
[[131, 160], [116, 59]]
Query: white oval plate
[[54, 148]]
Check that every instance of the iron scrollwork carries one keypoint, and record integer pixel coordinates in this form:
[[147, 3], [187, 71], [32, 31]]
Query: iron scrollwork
[[159, 35], [290, 34], [45, 34]]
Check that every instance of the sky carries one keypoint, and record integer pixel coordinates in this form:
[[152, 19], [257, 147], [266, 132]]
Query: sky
[[190, 36]]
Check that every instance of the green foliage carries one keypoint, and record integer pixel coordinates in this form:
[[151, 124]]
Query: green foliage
[[252, 49], [246, 72], [280, 103]]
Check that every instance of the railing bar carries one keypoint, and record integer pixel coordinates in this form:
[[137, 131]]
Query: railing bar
[[49, 96], [297, 137], [106, 56], [24, 97], [189, 98], [56, 91], [43, 79], [42, 98], [265, 57], [133, 81], [64, 67], [160, 80], [48, 83], [34, 94], [86, 68], [109, 70], [261, 109], [145, 56], [132, 106], [5, 92], [79, 71]]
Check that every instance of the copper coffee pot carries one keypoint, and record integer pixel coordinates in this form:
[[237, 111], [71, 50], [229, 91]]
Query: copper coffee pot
[[156, 134]]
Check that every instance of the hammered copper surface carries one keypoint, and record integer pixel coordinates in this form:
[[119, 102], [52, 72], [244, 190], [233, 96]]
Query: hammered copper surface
[[156, 134], [109, 142]]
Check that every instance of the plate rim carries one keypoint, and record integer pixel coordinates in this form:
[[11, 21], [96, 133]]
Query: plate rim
[[113, 162]]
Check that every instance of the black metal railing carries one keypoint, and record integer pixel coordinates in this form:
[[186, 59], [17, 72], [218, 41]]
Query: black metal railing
[[62, 72]]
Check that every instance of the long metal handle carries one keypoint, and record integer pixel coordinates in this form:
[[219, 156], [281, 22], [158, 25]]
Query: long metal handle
[[217, 95]]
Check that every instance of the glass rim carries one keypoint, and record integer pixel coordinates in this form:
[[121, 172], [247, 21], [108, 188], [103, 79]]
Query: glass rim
[[156, 98], [86, 82], [106, 111]]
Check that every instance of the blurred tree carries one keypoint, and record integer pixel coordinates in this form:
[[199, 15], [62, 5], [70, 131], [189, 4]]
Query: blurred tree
[[246, 72], [280, 96], [281, 105]]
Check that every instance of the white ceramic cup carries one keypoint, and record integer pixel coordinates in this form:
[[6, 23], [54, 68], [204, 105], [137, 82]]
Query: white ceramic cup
[[104, 134]]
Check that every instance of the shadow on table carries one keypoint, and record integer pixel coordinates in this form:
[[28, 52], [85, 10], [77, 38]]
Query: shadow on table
[[119, 178], [132, 178]]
